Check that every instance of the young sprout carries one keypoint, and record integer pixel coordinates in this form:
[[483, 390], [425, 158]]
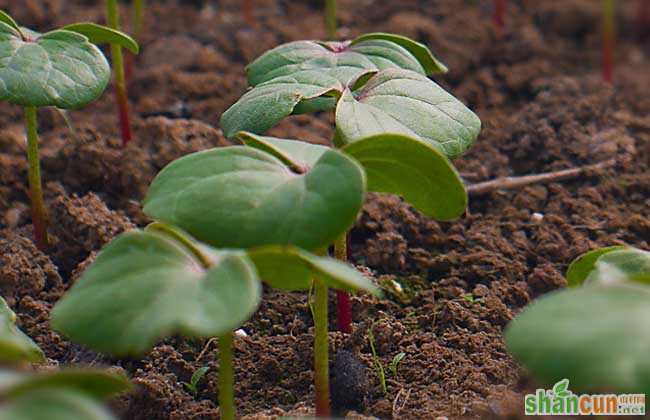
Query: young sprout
[[62, 68], [121, 94], [375, 83], [379, 367], [71, 393], [330, 18], [609, 39], [198, 374], [595, 334], [394, 364]]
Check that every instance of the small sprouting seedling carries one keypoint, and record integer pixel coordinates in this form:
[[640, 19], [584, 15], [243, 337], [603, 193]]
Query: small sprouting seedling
[[471, 298], [148, 284], [71, 393], [379, 367], [609, 40], [121, 93], [192, 385], [595, 335], [389, 116], [394, 364], [62, 68]]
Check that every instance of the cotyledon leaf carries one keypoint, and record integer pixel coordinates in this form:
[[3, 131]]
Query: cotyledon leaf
[[293, 269], [346, 60], [60, 68], [53, 404], [144, 286], [404, 102], [5, 18], [597, 336], [15, 346], [582, 266], [393, 163], [267, 104], [621, 265], [99, 34], [412, 169], [241, 197]]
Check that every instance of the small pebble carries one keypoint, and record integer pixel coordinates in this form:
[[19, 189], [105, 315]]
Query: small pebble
[[241, 333], [537, 217]]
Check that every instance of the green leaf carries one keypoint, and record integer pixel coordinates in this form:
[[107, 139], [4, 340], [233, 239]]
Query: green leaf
[[420, 51], [344, 61], [198, 374], [584, 264], [15, 346], [9, 21], [267, 104], [240, 197], [91, 382], [413, 169], [296, 154], [597, 337], [53, 404], [145, 286], [99, 34], [622, 265], [60, 68], [293, 269], [404, 102]]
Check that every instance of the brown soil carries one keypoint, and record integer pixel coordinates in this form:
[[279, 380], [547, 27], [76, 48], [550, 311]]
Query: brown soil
[[543, 107]]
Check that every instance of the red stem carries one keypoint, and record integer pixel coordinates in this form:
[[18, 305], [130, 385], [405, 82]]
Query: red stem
[[248, 10], [609, 35], [121, 98], [499, 16]]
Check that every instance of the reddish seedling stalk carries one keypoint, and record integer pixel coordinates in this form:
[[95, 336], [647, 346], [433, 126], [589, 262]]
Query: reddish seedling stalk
[[609, 40], [643, 17], [39, 215], [121, 94], [343, 302], [248, 11], [498, 16]]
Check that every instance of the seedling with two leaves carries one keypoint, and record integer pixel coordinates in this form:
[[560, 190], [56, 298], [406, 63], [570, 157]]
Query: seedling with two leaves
[[596, 332], [399, 125], [61, 394], [63, 69]]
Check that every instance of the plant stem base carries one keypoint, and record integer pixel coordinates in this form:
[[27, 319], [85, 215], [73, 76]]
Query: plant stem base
[[321, 350], [39, 215]]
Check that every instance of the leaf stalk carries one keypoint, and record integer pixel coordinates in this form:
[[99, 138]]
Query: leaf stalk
[[343, 303], [39, 215], [330, 18]]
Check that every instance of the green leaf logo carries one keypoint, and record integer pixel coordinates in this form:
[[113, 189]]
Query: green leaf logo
[[561, 389]]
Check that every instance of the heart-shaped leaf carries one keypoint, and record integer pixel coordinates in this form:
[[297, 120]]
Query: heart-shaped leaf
[[344, 61], [53, 404], [91, 382], [60, 68], [99, 34], [404, 102], [582, 266], [145, 286], [393, 163], [267, 104], [598, 337], [240, 197], [293, 269], [15, 346], [621, 265], [308, 76], [413, 169]]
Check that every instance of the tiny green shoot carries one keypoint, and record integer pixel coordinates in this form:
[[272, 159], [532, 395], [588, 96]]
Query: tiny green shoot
[[379, 367], [192, 385], [394, 364]]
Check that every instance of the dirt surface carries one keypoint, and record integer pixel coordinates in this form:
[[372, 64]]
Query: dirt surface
[[538, 92]]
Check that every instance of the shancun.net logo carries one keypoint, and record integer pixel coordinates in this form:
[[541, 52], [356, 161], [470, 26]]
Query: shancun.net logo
[[561, 401]]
